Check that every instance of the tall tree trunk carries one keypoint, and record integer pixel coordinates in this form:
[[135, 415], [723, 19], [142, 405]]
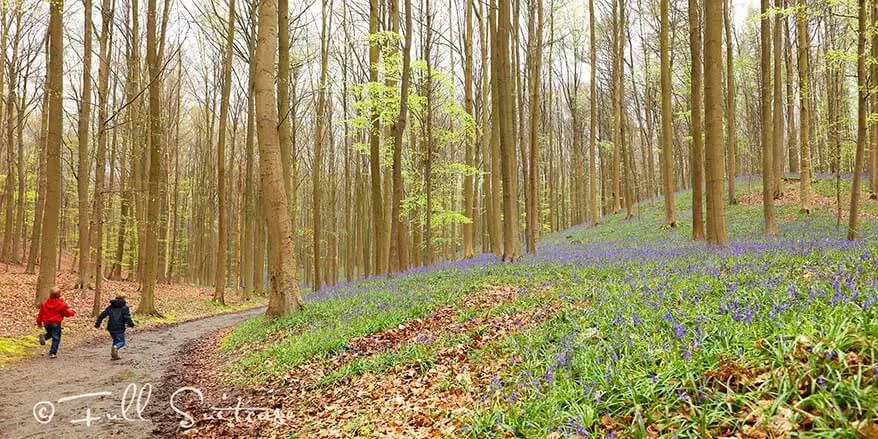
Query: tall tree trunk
[[535, 62], [285, 124], [615, 177], [84, 169], [862, 110], [219, 295], [731, 105], [508, 161], [97, 217], [792, 141], [804, 104], [768, 146], [54, 88], [667, 119], [18, 233], [429, 251], [11, 99], [375, 151], [777, 114], [398, 248], [36, 231], [594, 208], [250, 189], [319, 139], [713, 116], [695, 128], [495, 204], [282, 260], [156, 139], [469, 179], [873, 150]]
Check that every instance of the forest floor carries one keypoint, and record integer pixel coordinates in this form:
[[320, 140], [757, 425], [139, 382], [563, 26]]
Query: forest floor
[[629, 329], [18, 334], [35, 389]]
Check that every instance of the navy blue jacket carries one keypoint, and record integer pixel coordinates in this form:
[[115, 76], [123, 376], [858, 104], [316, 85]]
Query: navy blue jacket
[[119, 316]]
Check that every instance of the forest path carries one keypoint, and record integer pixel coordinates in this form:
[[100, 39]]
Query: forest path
[[47, 388]]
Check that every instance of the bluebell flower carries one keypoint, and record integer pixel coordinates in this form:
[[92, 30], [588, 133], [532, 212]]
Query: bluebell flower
[[679, 331]]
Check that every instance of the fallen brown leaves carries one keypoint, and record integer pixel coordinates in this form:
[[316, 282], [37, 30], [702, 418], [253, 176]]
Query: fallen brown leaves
[[409, 400], [791, 197], [18, 313]]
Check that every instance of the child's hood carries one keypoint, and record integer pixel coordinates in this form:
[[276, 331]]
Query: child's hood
[[118, 303], [54, 304]]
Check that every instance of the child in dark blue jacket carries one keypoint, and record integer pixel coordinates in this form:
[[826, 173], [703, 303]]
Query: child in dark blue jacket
[[119, 317]]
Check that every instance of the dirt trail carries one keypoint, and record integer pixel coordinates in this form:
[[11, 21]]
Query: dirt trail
[[38, 387]]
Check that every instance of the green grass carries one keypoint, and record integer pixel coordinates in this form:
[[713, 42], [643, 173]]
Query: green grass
[[676, 339], [16, 348]]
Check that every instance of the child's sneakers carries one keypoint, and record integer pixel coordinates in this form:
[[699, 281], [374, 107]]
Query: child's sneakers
[[114, 353], [42, 339], [53, 356]]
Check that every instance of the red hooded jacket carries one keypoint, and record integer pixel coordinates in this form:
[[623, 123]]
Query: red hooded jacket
[[53, 311]]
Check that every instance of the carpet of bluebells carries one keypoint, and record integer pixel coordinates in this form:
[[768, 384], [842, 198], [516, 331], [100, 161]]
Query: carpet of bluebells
[[770, 337]]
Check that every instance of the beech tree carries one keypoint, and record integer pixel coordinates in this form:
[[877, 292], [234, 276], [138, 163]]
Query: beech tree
[[283, 281], [768, 146], [713, 123], [862, 110], [666, 124], [55, 112]]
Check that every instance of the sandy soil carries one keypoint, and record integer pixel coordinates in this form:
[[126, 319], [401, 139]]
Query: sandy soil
[[46, 388]]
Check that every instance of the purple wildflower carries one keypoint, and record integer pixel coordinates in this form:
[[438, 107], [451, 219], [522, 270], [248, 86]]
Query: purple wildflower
[[679, 331]]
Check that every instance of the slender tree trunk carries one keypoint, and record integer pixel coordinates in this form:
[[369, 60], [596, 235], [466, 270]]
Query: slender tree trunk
[[398, 248], [873, 150], [804, 104], [375, 152], [616, 178], [319, 138], [731, 106], [768, 147], [792, 141], [713, 116], [36, 231], [594, 208], [84, 169], [535, 61], [11, 99], [285, 124], [777, 114], [54, 88], [97, 217], [469, 179], [219, 294], [250, 224], [18, 233], [862, 110], [667, 118], [508, 162], [695, 128], [156, 139], [429, 251]]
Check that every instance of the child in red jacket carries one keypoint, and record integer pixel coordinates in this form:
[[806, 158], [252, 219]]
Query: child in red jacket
[[52, 313]]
